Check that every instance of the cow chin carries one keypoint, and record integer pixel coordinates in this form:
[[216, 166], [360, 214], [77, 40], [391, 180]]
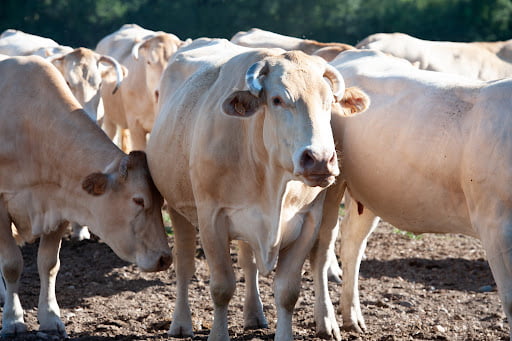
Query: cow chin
[[155, 262], [323, 181]]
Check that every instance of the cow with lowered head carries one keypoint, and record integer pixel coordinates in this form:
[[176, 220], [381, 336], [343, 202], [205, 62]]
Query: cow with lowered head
[[57, 165]]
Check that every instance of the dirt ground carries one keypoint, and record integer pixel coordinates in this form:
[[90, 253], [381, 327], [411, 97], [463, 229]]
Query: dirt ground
[[437, 287]]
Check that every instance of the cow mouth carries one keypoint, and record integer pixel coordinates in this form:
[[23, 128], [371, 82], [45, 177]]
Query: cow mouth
[[319, 180]]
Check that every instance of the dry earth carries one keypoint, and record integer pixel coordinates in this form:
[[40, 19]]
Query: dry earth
[[437, 287]]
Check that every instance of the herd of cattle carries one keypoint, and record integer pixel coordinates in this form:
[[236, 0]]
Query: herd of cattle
[[257, 140]]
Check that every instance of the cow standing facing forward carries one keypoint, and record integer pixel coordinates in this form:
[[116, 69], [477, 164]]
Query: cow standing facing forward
[[57, 165], [242, 148]]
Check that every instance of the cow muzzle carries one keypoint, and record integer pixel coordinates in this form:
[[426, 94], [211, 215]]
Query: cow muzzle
[[158, 263], [317, 168]]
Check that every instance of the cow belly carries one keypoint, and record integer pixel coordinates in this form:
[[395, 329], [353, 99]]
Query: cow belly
[[414, 204]]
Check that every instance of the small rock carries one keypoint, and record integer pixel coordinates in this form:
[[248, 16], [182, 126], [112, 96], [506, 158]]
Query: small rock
[[440, 328]]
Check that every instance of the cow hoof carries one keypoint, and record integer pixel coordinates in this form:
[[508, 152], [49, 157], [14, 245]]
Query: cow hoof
[[180, 331], [51, 335], [353, 328], [255, 325], [13, 330]]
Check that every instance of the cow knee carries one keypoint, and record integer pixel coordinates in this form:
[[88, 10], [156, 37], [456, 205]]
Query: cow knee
[[287, 294], [11, 270], [222, 291]]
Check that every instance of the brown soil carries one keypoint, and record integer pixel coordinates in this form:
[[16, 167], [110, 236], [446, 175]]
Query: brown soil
[[431, 288]]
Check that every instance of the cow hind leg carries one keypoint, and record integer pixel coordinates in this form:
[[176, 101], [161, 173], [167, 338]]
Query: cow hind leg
[[48, 265], [356, 227], [253, 308], [184, 262], [497, 243], [215, 242], [11, 266]]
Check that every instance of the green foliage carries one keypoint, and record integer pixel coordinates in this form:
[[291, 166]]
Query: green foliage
[[407, 234], [85, 22]]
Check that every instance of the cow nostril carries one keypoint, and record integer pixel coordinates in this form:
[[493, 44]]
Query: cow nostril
[[333, 158], [307, 159], [164, 262]]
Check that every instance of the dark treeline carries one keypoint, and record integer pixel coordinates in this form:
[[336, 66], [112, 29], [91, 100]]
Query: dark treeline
[[85, 22]]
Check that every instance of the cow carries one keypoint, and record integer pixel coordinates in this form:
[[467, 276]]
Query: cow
[[432, 154], [256, 37], [80, 67], [145, 54], [56, 165], [242, 149], [502, 49], [466, 59], [18, 43]]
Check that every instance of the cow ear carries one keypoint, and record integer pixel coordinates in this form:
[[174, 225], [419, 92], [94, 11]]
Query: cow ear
[[354, 101], [241, 104], [95, 183]]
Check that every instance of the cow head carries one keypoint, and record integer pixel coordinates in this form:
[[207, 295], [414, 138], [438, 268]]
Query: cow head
[[295, 93], [83, 75], [154, 51], [127, 207]]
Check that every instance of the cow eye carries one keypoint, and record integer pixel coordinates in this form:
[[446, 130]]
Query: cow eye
[[277, 101], [139, 202]]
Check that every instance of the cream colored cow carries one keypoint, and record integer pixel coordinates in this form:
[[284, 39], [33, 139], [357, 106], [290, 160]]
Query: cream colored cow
[[242, 149], [256, 37], [433, 153], [18, 43], [83, 69], [145, 54], [474, 60], [57, 165]]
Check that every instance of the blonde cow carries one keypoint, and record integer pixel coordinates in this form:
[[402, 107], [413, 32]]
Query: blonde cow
[[242, 149], [433, 153], [256, 37], [18, 43], [145, 54], [474, 60], [84, 70], [56, 164]]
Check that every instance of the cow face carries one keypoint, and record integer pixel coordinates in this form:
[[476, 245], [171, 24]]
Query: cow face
[[83, 74], [155, 52], [294, 92], [128, 214]]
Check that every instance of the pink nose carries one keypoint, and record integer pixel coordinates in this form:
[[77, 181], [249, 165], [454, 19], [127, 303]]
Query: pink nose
[[317, 164]]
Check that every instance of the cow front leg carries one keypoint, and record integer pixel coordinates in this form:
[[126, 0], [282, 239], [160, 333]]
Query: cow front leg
[[253, 308], [356, 227], [48, 265], [137, 135], [321, 258], [11, 266], [215, 242], [288, 277], [184, 253], [79, 232]]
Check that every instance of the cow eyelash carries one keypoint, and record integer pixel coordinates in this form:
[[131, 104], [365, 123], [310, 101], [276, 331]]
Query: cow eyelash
[[138, 201]]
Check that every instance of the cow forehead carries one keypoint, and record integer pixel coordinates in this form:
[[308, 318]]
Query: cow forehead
[[297, 76]]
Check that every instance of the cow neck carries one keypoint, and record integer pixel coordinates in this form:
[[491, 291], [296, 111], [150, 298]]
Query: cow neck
[[283, 201], [68, 148]]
